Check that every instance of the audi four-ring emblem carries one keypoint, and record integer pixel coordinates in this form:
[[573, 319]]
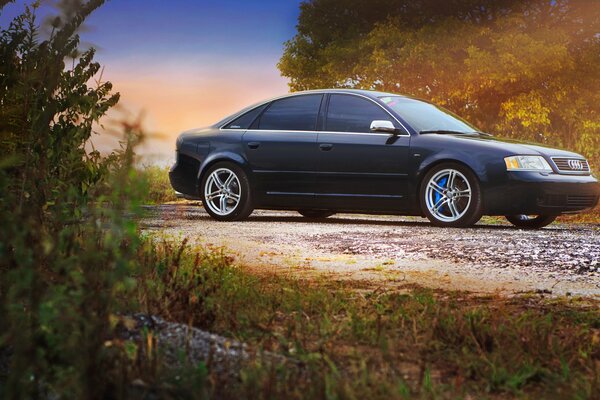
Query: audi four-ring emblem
[[576, 165]]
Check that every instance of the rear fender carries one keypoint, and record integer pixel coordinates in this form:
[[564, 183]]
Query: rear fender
[[227, 156]]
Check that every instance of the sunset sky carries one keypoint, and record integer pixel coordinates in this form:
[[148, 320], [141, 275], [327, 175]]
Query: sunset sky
[[186, 64]]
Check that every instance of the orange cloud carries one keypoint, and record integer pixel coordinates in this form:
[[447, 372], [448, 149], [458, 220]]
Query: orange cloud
[[178, 96]]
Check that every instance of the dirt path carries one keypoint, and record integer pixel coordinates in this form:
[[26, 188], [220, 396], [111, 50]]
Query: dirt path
[[395, 251]]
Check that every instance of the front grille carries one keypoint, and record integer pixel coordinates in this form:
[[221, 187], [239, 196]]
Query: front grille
[[571, 165], [581, 201], [554, 200], [562, 200]]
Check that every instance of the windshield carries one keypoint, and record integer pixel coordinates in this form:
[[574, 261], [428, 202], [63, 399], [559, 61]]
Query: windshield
[[423, 116]]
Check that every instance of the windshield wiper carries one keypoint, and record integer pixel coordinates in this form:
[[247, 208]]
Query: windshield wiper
[[451, 132]]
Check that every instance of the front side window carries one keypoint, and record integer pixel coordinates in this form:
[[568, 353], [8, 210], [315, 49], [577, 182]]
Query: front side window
[[348, 113], [297, 113], [423, 116]]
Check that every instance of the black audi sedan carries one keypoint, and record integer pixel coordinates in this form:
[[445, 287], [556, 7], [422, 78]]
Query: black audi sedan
[[327, 151]]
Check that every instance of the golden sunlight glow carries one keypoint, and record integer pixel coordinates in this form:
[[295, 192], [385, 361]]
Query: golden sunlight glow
[[172, 98]]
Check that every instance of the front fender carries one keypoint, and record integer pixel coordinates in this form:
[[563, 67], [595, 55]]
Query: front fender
[[480, 164]]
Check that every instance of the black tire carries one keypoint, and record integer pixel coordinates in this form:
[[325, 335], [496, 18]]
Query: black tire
[[316, 214], [472, 211], [244, 206], [528, 222]]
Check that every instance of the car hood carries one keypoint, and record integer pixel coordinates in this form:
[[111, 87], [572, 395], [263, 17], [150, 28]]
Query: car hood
[[513, 146]]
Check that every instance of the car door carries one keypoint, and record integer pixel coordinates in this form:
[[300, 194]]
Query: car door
[[281, 148], [358, 168]]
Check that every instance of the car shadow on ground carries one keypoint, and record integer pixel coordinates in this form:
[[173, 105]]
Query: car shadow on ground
[[364, 221], [197, 213]]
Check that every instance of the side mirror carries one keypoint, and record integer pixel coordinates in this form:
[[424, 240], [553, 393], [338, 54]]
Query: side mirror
[[383, 126]]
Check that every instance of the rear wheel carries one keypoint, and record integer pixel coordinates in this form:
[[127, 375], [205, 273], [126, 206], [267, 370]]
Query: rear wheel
[[225, 192], [530, 221], [450, 196], [316, 214]]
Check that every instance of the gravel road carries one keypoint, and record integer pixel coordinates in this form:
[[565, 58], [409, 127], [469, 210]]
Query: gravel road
[[392, 251]]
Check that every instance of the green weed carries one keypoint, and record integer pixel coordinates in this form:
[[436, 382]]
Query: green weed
[[375, 344]]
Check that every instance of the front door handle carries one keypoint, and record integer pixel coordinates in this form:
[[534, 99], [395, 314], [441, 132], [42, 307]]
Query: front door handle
[[253, 145], [325, 146]]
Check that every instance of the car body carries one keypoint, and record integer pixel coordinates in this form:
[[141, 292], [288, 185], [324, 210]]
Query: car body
[[362, 151]]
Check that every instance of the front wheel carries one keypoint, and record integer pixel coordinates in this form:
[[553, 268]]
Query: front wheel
[[451, 196], [226, 194], [530, 221]]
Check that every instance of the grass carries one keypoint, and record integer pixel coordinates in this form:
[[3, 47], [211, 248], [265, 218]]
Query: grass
[[374, 343], [590, 217], [156, 180]]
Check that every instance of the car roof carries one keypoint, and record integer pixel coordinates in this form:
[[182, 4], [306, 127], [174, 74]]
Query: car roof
[[369, 93]]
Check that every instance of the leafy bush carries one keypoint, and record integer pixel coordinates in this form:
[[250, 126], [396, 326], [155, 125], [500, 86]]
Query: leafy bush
[[66, 251]]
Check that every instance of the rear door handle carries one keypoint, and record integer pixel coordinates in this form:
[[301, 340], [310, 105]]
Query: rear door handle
[[325, 146], [253, 145]]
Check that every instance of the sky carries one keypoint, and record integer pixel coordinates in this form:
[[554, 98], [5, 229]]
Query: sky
[[185, 64]]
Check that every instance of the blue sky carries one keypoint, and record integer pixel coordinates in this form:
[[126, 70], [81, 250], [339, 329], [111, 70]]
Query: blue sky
[[171, 27], [187, 63], [226, 28]]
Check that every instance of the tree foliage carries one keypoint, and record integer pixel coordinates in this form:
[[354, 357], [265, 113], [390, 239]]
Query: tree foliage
[[523, 69]]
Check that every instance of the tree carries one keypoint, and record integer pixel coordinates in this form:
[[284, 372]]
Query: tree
[[525, 70]]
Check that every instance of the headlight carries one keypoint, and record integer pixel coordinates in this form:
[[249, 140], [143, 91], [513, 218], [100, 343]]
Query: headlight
[[527, 163]]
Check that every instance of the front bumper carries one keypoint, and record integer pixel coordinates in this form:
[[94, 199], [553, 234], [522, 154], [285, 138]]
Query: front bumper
[[526, 192]]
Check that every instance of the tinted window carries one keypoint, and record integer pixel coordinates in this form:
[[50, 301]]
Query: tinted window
[[347, 113], [246, 119], [297, 113], [424, 116]]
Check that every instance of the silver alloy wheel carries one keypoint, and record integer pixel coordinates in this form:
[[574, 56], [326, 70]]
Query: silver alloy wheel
[[222, 191], [448, 195]]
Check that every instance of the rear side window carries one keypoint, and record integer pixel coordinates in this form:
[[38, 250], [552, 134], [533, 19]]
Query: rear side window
[[297, 113], [347, 113], [244, 121]]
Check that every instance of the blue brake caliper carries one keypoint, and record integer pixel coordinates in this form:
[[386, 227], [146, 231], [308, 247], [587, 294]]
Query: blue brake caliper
[[436, 195]]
